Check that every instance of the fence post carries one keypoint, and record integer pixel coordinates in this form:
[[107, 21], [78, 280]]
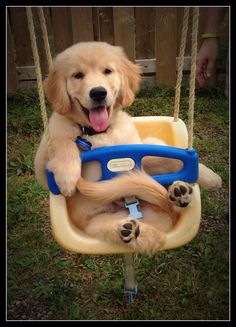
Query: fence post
[[166, 44]]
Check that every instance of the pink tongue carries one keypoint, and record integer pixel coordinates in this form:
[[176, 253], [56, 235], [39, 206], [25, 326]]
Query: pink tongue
[[98, 118]]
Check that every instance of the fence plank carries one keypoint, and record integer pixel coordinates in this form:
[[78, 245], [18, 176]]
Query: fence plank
[[105, 15], [145, 32], [11, 70], [166, 45], [149, 65], [82, 24], [47, 15], [96, 27], [61, 21], [124, 29], [26, 73], [20, 32], [40, 44]]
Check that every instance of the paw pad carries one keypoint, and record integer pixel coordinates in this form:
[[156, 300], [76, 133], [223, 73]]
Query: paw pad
[[179, 194], [130, 230]]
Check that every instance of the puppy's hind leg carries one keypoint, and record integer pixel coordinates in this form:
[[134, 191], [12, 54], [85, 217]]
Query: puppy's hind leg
[[142, 237], [119, 228], [208, 179], [103, 226]]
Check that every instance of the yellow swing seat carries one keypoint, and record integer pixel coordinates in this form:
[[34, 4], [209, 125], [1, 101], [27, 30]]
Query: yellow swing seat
[[73, 239]]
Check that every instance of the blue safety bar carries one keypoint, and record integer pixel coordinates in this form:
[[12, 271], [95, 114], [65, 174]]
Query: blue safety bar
[[136, 152]]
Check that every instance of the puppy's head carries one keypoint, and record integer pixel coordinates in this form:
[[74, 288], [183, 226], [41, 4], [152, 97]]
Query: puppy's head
[[91, 80]]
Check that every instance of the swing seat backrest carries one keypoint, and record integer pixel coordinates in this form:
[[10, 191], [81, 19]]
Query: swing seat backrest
[[164, 128]]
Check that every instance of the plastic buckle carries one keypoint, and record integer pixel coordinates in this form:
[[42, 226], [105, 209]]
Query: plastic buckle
[[132, 203], [131, 293]]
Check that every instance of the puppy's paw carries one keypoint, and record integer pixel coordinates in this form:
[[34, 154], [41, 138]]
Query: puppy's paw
[[67, 186], [66, 177], [129, 230], [180, 194], [141, 237]]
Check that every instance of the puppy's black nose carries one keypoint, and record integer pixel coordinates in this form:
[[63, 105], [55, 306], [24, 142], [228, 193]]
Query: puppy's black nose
[[98, 94]]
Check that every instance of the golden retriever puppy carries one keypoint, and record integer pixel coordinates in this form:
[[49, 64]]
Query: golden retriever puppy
[[88, 86]]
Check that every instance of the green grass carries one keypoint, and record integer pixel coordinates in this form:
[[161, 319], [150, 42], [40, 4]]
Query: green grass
[[46, 282]]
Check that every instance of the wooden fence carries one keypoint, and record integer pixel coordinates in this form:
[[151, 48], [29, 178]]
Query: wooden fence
[[149, 35]]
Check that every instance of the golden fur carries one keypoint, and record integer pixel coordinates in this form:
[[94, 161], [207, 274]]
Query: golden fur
[[97, 207]]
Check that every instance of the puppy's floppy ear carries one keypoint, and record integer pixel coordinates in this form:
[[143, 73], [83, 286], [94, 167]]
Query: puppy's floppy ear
[[55, 90], [131, 80]]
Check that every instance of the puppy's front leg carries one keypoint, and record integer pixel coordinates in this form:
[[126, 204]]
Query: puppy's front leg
[[65, 163]]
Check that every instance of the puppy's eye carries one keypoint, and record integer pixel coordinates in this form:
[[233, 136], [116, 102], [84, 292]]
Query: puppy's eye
[[79, 75], [107, 71]]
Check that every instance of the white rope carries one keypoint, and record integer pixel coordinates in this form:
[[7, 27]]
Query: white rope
[[45, 36], [192, 73], [192, 77], [38, 73], [181, 62]]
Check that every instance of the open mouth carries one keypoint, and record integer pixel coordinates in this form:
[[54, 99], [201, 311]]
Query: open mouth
[[98, 117]]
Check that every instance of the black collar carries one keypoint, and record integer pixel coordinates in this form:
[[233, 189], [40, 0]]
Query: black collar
[[87, 130]]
